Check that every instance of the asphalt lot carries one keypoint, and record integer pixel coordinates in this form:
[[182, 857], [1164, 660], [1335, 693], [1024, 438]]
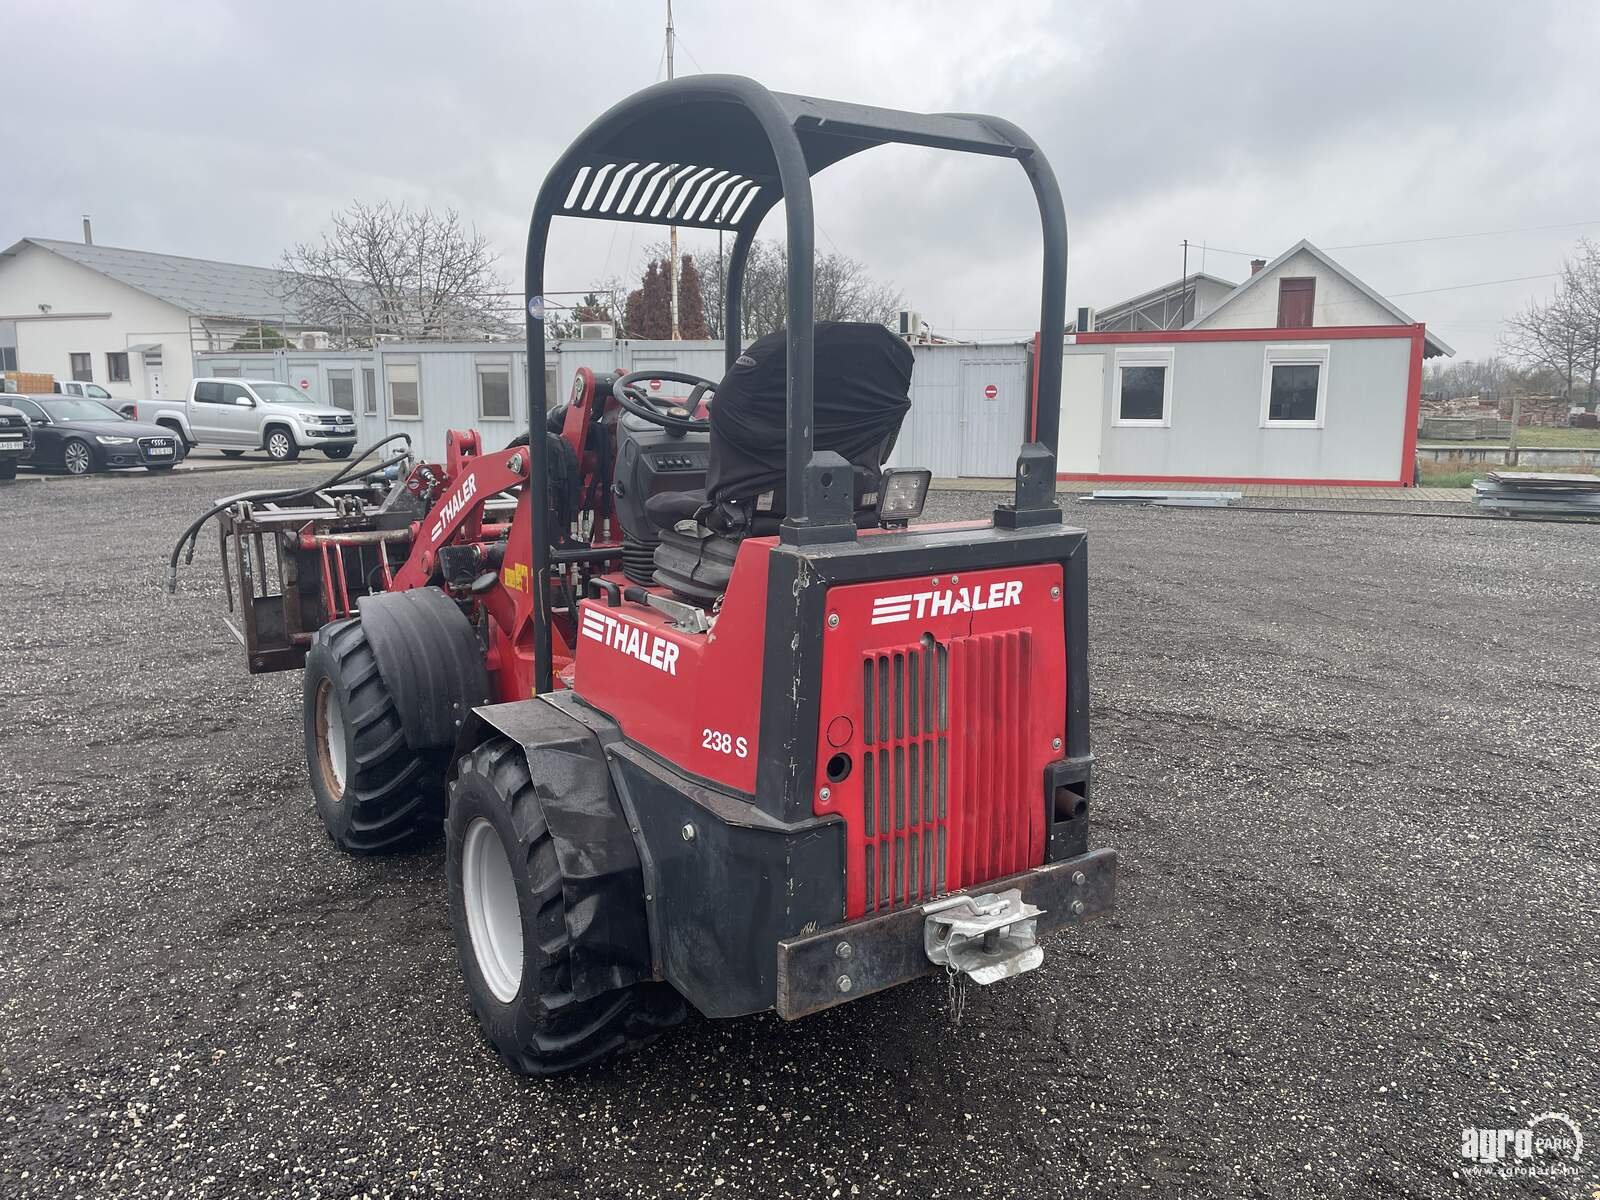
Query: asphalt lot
[[1351, 764]]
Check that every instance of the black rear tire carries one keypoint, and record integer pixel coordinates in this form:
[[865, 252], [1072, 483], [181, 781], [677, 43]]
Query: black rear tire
[[374, 793], [176, 431], [541, 1029], [233, 454]]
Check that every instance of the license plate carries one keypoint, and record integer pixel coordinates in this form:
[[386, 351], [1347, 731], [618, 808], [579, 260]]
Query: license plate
[[10, 445], [158, 451]]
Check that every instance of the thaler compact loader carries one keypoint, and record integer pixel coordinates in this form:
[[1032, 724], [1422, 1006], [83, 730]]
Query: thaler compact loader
[[705, 719]]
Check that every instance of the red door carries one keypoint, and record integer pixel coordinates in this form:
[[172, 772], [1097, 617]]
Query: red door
[[1296, 299]]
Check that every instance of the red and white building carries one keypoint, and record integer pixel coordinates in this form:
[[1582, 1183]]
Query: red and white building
[[1302, 374]]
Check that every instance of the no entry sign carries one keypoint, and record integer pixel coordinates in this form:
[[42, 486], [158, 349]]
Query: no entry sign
[[990, 391], [655, 385]]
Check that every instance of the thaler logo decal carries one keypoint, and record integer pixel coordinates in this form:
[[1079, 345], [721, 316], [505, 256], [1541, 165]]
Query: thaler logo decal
[[453, 506], [649, 648], [887, 610]]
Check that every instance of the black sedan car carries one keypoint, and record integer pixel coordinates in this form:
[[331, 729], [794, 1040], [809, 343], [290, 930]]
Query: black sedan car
[[80, 435], [16, 439]]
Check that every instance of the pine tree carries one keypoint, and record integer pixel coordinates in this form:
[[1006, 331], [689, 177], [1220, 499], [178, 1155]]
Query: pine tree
[[691, 304], [650, 305]]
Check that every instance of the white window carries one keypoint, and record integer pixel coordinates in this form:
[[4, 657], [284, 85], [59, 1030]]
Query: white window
[[405, 394], [1141, 392], [369, 391], [494, 387], [1294, 387]]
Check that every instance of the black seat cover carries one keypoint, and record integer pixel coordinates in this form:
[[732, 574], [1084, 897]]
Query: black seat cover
[[862, 394], [666, 509]]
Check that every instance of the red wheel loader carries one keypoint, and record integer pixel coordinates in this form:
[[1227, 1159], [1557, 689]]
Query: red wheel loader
[[704, 718]]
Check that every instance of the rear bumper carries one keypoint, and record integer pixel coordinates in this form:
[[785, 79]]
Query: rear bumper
[[855, 959]]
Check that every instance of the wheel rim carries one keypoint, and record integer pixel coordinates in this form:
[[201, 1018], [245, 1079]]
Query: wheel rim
[[329, 719], [77, 458], [494, 920], [278, 445]]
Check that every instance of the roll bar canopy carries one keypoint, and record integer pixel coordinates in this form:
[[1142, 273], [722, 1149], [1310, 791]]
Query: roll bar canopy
[[718, 152]]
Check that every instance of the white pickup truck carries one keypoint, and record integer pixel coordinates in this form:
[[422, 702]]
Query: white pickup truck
[[236, 415]]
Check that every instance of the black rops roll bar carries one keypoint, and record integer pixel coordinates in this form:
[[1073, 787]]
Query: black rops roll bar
[[718, 152]]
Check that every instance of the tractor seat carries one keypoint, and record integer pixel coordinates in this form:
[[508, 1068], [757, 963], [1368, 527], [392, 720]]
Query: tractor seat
[[862, 392]]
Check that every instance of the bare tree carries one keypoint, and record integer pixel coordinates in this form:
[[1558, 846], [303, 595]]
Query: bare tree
[[391, 271], [842, 290], [1562, 335]]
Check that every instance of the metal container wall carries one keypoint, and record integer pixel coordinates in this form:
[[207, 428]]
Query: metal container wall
[[954, 427]]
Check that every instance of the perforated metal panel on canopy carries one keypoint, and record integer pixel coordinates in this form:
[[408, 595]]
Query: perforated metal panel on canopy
[[718, 152]]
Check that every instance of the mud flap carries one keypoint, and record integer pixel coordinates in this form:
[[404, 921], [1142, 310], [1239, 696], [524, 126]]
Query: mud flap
[[430, 659], [601, 879]]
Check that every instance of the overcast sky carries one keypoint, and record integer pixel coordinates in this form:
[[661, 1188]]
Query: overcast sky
[[231, 130]]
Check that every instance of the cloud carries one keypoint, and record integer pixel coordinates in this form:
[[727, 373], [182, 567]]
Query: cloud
[[232, 130]]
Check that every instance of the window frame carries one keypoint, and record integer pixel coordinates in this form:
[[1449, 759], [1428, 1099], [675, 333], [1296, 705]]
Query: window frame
[[1293, 285], [495, 364], [87, 357], [229, 398], [1158, 356], [341, 375], [111, 367], [369, 391], [1295, 355], [408, 363]]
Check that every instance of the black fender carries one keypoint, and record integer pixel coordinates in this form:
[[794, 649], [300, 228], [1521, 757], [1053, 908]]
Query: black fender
[[602, 880], [431, 661], [716, 902]]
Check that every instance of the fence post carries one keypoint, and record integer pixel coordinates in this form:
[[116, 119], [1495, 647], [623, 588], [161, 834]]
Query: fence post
[[1516, 419]]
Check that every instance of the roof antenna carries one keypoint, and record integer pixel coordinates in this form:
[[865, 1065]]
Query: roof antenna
[[88, 233]]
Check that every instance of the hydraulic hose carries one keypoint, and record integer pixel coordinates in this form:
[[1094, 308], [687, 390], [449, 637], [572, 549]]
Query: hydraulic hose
[[191, 535]]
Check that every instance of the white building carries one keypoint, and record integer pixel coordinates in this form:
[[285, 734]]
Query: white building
[[128, 320], [1300, 374]]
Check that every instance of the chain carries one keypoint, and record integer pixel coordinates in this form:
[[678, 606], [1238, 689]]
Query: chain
[[956, 985]]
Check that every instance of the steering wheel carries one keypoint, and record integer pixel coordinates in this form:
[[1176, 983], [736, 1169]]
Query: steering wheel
[[674, 416]]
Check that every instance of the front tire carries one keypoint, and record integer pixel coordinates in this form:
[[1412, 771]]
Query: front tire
[[281, 445], [8, 468], [508, 914], [374, 793], [77, 458], [338, 453]]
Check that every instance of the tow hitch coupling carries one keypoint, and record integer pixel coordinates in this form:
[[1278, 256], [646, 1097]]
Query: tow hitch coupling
[[988, 938]]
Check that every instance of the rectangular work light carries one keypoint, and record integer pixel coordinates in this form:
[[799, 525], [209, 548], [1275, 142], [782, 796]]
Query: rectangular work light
[[901, 494]]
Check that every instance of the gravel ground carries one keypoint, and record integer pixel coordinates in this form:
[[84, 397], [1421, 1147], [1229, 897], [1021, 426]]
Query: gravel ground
[[1350, 762]]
